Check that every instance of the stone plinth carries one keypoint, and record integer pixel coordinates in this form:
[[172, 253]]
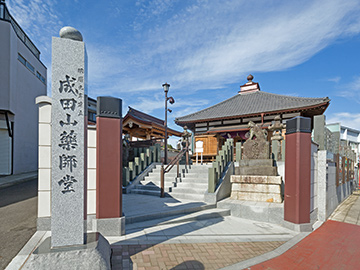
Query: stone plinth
[[256, 167], [95, 254], [258, 188]]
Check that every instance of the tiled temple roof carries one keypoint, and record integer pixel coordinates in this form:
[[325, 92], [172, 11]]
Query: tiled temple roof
[[252, 103]]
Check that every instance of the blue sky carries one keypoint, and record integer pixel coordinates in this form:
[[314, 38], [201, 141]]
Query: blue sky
[[206, 49]]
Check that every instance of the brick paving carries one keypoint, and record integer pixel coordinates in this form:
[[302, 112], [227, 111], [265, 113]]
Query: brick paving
[[335, 245], [187, 256]]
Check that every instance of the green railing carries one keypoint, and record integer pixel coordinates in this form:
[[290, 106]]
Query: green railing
[[226, 155], [143, 157]]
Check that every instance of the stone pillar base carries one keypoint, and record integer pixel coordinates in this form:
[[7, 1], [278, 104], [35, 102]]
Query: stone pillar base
[[110, 226], [95, 254], [304, 227]]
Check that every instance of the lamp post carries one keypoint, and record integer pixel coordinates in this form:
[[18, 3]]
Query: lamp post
[[172, 101], [166, 87]]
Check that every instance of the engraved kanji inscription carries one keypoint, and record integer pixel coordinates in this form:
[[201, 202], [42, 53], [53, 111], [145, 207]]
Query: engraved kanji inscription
[[68, 103], [68, 121], [68, 140], [68, 85], [67, 161], [67, 182]]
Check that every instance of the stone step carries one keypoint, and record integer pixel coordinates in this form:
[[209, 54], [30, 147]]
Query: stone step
[[259, 211], [256, 196], [256, 179], [173, 172], [157, 184], [187, 196], [256, 162], [154, 219], [167, 188], [195, 168], [200, 215], [154, 179], [256, 170], [188, 190], [175, 185], [147, 192], [195, 185], [157, 178], [259, 188]]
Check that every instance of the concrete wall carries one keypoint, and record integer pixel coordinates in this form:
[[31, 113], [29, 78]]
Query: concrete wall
[[330, 195], [314, 180], [19, 88], [44, 170]]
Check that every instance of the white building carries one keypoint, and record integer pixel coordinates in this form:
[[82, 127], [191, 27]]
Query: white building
[[349, 135], [22, 79]]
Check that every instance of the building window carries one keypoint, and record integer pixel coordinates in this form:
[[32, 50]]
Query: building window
[[26, 63], [30, 67], [92, 117], [40, 77], [22, 59]]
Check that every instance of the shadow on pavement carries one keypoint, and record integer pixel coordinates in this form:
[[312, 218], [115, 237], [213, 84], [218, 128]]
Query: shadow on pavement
[[189, 265], [18, 193]]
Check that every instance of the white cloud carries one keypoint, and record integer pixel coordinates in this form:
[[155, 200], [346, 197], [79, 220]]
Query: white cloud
[[181, 106], [352, 90], [351, 120], [194, 45], [334, 79], [208, 44]]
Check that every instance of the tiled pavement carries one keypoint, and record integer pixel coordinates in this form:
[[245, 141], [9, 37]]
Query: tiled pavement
[[349, 210], [226, 241], [190, 241], [335, 245], [187, 256]]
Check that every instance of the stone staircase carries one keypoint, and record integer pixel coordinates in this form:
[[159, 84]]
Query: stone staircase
[[190, 186]]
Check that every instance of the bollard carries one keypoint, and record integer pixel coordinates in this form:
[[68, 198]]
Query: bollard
[[162, 176], [142, 161], [211, 180], [238, 152], [137, 166]]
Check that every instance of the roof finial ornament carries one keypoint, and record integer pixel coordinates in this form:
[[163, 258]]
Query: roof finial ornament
[[250, 86]]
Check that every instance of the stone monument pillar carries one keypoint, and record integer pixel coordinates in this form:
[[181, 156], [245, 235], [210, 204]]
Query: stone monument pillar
[[70, 246], [297, 170], [69, 139]]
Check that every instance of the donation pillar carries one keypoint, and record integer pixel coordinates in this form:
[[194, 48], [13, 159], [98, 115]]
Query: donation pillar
[[108, 158], [297, 170]]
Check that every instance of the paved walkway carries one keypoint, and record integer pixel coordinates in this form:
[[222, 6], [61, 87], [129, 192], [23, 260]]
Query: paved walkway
[[209, 239], [335, 245], [349, 210], [188, 256]]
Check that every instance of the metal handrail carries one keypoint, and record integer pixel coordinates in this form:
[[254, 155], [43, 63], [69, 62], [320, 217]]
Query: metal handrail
[[168, 168], [175, 160]]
